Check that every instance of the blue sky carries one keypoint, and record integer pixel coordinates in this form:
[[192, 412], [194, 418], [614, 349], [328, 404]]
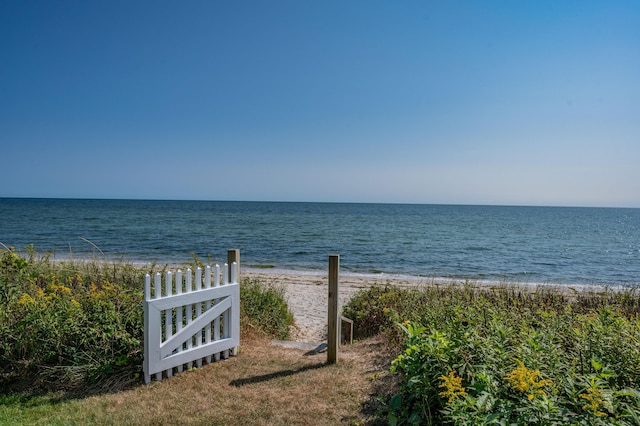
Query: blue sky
[[463, 102]]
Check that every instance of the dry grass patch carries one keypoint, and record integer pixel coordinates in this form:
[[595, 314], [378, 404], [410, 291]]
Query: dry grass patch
[[263, 385]]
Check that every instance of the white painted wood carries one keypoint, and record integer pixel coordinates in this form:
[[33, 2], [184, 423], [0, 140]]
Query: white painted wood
[[216, 275], [169, 345], [189, 311], [216, 322], [190, 339], [207, 306], [157, 321], [234, 273], [234, 316], [198, 305], [179, 311], [168, 313], [157, 290], [225, 316], [147, 298]]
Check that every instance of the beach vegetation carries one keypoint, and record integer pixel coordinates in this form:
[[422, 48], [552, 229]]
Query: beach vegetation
[[77, 326], [507, 355], [265, 308], [262, 385], [66, 325], [455, 353]]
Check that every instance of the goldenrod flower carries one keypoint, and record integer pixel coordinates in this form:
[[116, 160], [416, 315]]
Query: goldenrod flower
[[527, 381], [58, 288], [453, 387], [63, 290], [25, 299], [596, 401]]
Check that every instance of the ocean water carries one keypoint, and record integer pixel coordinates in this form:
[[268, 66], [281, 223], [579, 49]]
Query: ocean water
[[556, 245]]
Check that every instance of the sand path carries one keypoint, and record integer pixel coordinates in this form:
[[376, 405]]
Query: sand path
[[307, 296]]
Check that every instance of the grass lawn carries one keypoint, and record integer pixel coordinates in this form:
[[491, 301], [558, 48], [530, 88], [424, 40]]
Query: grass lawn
[[263, 385]]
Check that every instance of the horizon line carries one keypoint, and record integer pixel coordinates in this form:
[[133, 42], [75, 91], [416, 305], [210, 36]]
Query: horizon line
[[461, 204]]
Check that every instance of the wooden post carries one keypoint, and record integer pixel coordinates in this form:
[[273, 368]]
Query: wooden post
[[332, 332], [233, 255]]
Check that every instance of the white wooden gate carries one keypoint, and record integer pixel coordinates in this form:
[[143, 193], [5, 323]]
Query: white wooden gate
[[191, 321]]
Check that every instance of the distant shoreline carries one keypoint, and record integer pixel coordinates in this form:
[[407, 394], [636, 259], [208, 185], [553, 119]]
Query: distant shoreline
[[272, 273]]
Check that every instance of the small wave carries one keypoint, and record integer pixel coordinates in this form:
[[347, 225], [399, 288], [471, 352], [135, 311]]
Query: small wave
[[260, 266], [477, 248]]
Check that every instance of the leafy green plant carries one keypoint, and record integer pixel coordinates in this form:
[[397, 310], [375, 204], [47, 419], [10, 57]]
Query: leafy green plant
[[509, 356], [264, 308], [12, 271], [69, 324]]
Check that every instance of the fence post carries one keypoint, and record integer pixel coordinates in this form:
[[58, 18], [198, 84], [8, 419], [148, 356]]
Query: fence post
[[332, 332], [147, 324], [233, 255]]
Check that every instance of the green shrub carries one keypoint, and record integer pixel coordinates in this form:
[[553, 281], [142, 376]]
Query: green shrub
[[511, 356], [68, 324], [264, 307], [12, 272]]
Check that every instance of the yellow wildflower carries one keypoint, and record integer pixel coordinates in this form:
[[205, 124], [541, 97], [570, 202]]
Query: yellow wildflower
[[528, 381], [75, 303], [453, 387], [58, 289], [596, 401], [63, 290], [25, 299]]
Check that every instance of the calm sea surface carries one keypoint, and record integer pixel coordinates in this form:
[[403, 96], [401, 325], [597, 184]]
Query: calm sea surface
[[523, 244]]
